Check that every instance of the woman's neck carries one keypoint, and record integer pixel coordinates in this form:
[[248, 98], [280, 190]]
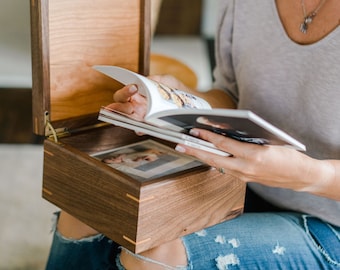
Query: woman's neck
[[294, 13]]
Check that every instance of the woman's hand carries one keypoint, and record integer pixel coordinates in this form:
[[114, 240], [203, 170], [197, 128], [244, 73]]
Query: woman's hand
[[274, 166], [127, 99]]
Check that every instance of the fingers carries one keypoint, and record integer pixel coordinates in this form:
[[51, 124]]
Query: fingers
[[122, 97], [230, 165], [212, 159], [125, 94], [129, 101], [240, 152], [274, 166], [229, 145], [121, 107]]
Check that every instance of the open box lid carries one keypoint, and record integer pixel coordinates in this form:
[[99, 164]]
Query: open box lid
[[68, 38]]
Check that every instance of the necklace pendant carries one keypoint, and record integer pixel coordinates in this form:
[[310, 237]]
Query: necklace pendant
[[308, 19], [304, 27]]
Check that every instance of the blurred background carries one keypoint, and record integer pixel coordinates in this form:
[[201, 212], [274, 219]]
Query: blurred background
[[183, 30]]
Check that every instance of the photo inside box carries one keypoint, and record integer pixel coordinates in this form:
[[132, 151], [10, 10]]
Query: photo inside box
[[147, 160], [125, 151]]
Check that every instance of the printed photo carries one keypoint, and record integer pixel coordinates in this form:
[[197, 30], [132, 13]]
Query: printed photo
[[180, 98], [147, 160]]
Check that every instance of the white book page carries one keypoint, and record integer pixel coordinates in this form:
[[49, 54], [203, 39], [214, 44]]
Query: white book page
[[166, 135], [159, 96]]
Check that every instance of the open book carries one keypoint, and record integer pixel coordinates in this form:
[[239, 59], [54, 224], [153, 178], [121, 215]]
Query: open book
[[171, 113]]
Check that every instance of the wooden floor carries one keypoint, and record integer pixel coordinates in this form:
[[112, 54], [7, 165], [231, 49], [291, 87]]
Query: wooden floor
[[16, 117]]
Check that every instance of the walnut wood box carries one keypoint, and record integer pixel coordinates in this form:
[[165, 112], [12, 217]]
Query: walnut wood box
[[68, 38]]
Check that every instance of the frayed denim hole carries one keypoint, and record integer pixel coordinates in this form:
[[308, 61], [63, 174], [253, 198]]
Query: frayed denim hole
[[97, 237], [54, 221], [118, 263], [149, 260], [189, 259], [88, 239], [326, 247]]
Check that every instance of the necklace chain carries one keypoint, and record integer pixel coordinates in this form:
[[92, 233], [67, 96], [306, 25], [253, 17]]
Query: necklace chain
[[308, 18]]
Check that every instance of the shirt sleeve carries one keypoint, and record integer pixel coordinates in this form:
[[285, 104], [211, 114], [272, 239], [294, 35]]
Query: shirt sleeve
[[224, 76]]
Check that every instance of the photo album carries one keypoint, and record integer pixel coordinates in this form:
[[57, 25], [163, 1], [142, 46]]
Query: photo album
[[171, 113]]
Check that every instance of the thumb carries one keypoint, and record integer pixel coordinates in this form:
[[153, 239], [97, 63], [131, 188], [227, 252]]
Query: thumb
[[124, 94]]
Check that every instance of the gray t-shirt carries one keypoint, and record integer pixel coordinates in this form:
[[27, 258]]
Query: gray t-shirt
[[295, 87]]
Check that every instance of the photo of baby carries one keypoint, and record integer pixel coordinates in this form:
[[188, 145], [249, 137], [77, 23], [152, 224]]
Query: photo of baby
[[180, 98], [134, 159], [146, 160]]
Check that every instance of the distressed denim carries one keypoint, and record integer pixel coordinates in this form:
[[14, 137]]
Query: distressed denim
[[273, 240], [279, 240], [91, 253]]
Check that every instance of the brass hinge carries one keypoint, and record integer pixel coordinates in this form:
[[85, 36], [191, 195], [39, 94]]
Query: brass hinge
[[51, 132], [55, 133]]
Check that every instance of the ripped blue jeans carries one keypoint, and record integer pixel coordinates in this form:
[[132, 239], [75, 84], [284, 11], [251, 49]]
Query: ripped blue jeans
[[273, 240]]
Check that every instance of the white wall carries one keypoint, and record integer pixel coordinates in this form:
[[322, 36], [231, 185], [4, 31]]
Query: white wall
[[210, 11], [15, 52]]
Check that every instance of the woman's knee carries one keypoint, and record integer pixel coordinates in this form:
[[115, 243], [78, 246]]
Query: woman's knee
[[171, 255], [71, 227]]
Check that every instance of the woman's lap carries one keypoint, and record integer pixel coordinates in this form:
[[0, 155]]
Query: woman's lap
[[279, 240]]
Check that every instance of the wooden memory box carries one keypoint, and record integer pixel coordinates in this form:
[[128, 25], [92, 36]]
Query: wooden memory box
[[68, 38]]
